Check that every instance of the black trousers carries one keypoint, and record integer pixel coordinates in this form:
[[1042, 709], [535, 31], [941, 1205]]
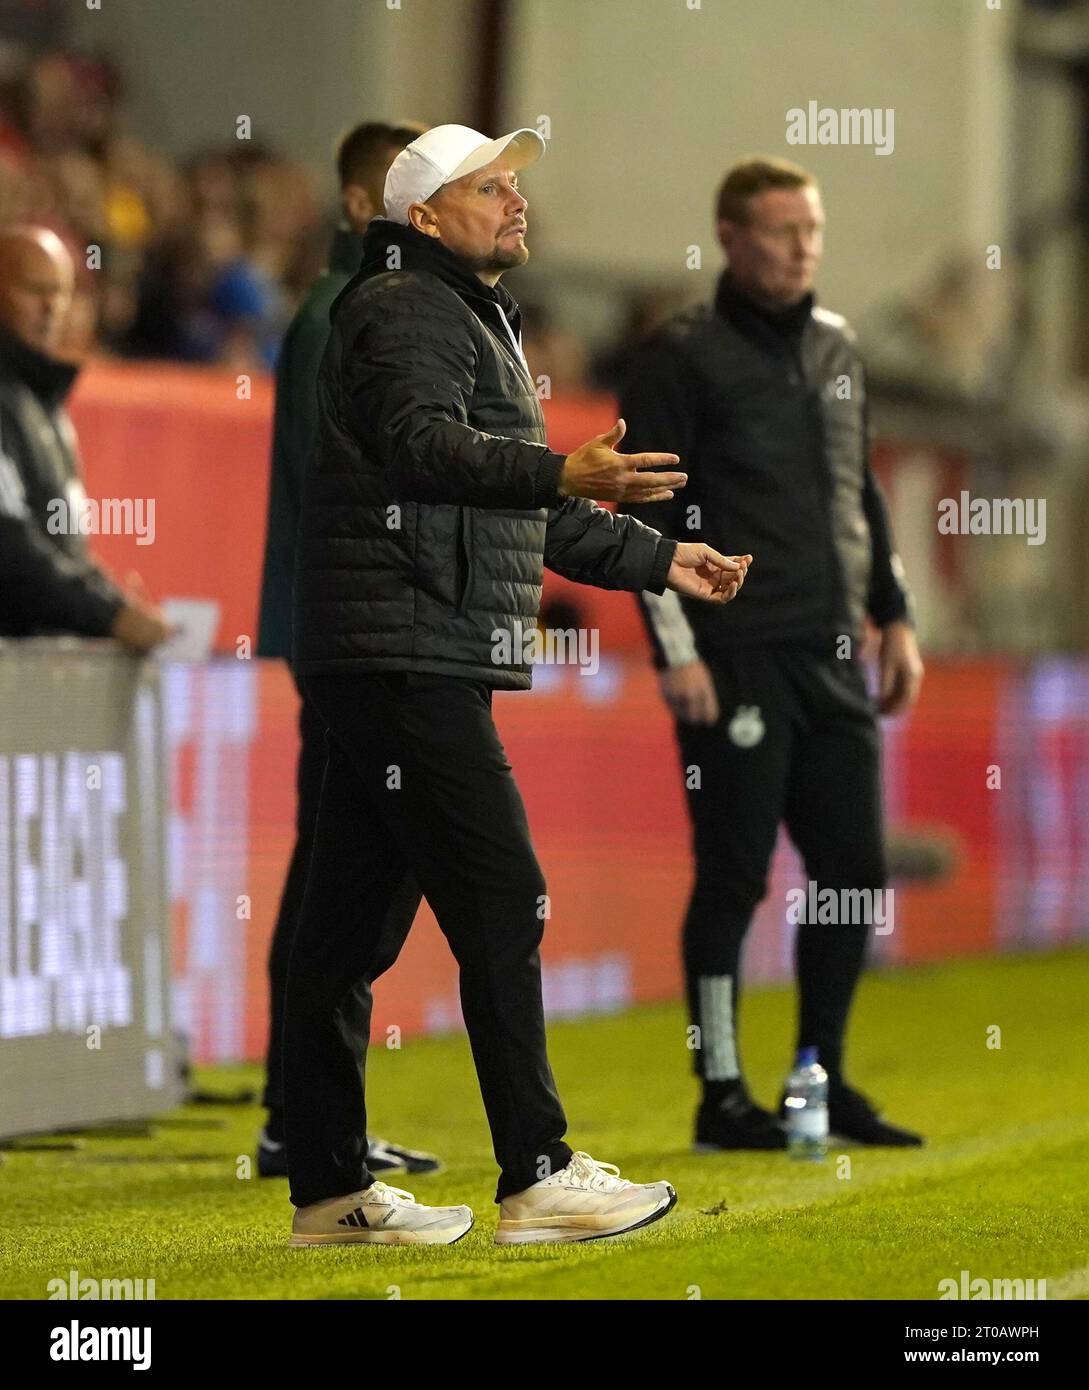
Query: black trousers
[[417, 783], [356, 1009], [797, 742]]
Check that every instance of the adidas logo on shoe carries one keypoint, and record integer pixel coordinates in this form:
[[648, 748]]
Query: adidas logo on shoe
[[380, 1215]]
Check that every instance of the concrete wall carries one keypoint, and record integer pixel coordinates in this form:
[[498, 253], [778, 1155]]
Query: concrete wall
[[650, 101]]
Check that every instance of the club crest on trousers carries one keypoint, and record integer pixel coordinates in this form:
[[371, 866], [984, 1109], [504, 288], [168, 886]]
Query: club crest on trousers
[[746, 728]]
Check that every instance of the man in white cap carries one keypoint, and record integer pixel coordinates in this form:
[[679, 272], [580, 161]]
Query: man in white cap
[[431, 506]]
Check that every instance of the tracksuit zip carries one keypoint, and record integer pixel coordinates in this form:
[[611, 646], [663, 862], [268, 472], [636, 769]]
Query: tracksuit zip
[[827, 486], [517, 346]]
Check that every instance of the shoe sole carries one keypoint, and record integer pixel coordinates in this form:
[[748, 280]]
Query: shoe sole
[[848, 1140], [298, 1241], [412, 1170], [700, 1147], [535, 1234]]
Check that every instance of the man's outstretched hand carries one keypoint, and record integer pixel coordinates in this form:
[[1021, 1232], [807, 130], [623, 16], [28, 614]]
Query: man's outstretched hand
[[597, 472], [698, 571]]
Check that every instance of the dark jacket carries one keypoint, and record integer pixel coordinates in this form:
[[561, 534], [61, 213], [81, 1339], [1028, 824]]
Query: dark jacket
[[430, 506], [768, 413], [294, 427], [48, 582]]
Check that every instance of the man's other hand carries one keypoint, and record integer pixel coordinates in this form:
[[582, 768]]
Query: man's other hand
[[139, 625], [698, 571], [689, 691], [901, 669], [597, 472]]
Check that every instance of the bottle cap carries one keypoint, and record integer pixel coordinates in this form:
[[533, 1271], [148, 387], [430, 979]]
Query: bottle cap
[[807, 1056]]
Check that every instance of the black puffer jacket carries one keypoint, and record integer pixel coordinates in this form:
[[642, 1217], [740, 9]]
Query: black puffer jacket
[[430, 506]]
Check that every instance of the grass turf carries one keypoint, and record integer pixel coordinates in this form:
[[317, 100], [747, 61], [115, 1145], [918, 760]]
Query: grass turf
[[1001, 1190]]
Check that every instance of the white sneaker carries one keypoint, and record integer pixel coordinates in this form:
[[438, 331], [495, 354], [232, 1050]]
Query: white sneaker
[[584, 1201], [379, 1215]]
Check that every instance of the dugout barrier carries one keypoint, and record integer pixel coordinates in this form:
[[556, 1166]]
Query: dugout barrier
[[85, 1031]]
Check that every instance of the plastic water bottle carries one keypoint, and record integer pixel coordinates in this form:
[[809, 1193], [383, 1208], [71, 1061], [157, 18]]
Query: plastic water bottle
[[807, 1107]]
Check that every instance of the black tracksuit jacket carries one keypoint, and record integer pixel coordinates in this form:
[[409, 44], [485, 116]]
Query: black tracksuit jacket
[[768, 414]]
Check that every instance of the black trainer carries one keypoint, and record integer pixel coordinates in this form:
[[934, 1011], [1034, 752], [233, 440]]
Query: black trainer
[[852, 1117], [382, 1158], [736, 1122], [271, 1157]]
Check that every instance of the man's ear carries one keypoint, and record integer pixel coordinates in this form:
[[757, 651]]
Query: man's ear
[[422, 217], [726, 231], [358, 205]]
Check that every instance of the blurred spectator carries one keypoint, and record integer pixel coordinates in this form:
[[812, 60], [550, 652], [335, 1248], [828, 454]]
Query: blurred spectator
[[48, 582]]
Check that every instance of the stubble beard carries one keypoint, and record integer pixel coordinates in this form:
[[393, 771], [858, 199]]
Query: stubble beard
[[504, 260]]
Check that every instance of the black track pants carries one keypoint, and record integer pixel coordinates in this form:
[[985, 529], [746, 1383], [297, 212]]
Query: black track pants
[[796, 743], [417, 783]]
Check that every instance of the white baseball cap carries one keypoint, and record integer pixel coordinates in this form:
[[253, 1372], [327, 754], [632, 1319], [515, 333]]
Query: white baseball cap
[[448, 152]]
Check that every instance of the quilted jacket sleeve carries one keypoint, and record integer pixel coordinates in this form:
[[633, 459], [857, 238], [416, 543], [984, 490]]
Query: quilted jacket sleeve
[[409, 375], [586, 543]]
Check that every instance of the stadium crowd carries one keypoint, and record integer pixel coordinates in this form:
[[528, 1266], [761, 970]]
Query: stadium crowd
[[201, 261]]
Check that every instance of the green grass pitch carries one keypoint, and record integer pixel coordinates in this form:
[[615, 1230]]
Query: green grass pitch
[[1001, 1190]]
